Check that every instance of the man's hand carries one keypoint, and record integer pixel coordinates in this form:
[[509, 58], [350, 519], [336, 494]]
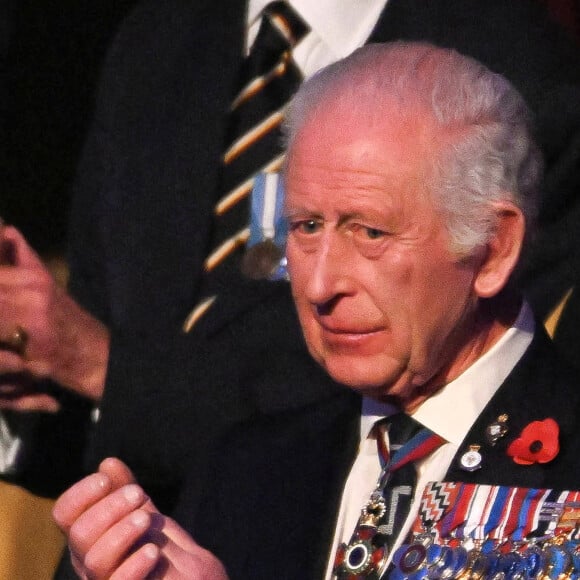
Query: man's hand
[[114, 531], [44, 333]]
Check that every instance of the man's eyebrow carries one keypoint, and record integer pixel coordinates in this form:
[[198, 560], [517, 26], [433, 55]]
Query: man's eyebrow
[[300, 211]]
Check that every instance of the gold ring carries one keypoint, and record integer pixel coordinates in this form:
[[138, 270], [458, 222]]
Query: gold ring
[[16, 341]]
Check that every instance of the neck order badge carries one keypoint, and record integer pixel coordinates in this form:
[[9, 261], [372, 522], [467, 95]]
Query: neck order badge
[[367, 552]]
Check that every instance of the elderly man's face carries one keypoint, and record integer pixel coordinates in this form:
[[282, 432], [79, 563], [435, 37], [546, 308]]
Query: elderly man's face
[[385, 307]]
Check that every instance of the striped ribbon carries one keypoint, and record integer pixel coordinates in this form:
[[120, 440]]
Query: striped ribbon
[[367, 552], [497, 513], [418, 447]]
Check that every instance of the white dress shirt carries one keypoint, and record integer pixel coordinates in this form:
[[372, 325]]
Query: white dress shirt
[[9, 447], [337, 27], [450, 413]]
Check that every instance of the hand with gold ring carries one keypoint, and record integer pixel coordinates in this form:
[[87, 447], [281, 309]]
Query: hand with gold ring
[[44, 333]]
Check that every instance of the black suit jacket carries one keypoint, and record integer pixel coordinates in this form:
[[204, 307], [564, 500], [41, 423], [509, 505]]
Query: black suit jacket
[[273, 499], [141, 219]]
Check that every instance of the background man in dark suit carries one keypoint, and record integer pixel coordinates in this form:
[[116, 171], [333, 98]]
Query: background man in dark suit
[[412, 181]]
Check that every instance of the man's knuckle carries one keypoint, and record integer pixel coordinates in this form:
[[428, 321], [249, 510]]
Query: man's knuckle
[[94, 566]]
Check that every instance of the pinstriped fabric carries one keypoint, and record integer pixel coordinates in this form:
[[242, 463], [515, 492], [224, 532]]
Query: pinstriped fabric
[[268, 80]]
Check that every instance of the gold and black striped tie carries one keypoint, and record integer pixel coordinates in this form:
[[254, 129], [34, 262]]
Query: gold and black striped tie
[[268, 80]]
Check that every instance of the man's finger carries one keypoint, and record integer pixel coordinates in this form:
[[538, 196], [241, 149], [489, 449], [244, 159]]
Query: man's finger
[[120, 475], [17, 250], [117, 472], [78, 498], [102, 516], [113, 548], [139, 564], [30, 403], [11, 363]]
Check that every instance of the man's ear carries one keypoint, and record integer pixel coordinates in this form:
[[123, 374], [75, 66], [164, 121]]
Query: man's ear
[[502, 251]]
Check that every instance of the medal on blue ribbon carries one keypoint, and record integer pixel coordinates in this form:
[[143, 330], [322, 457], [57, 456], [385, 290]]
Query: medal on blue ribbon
[[367, 553], [264, 257], [493, 533]]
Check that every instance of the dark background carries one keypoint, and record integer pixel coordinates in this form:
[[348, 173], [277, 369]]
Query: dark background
[[50, 55], [51, 52]]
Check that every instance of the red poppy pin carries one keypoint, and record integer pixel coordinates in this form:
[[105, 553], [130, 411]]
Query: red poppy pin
[[538, 443]]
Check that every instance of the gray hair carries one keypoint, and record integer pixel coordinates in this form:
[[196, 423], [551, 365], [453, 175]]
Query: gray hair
[[488, 152]]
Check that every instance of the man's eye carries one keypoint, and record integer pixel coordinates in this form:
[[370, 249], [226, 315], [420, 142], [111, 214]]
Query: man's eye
[[307, 226], [374, 233], [364, 233]]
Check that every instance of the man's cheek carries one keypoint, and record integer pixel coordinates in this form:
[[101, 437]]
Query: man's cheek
[[311, 331]]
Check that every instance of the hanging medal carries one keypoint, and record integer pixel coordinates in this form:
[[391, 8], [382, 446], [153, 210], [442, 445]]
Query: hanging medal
[[479, 562], [366, 554], [495, 533], [264, 257]]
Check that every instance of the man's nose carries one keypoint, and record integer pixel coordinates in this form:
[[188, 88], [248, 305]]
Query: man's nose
[[331, 275]]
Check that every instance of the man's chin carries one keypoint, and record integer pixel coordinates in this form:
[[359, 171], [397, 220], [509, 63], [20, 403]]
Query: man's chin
[[369, 380], [358, 379]]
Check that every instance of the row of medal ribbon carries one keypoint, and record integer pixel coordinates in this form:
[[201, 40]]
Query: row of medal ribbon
[[472, 532]]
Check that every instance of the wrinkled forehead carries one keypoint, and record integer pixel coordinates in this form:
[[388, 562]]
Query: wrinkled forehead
[[337, 135], [344, 115]]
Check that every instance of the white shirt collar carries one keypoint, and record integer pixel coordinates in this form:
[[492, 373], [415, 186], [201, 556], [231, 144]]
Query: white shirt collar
[[340, 26], [343, 26], [451, 412]]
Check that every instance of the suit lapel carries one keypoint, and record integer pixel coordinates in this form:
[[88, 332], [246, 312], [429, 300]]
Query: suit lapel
[[535, 390], [286, 521]]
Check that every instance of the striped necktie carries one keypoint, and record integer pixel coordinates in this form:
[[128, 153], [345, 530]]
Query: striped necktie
[[388, 507], [268, 80]]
